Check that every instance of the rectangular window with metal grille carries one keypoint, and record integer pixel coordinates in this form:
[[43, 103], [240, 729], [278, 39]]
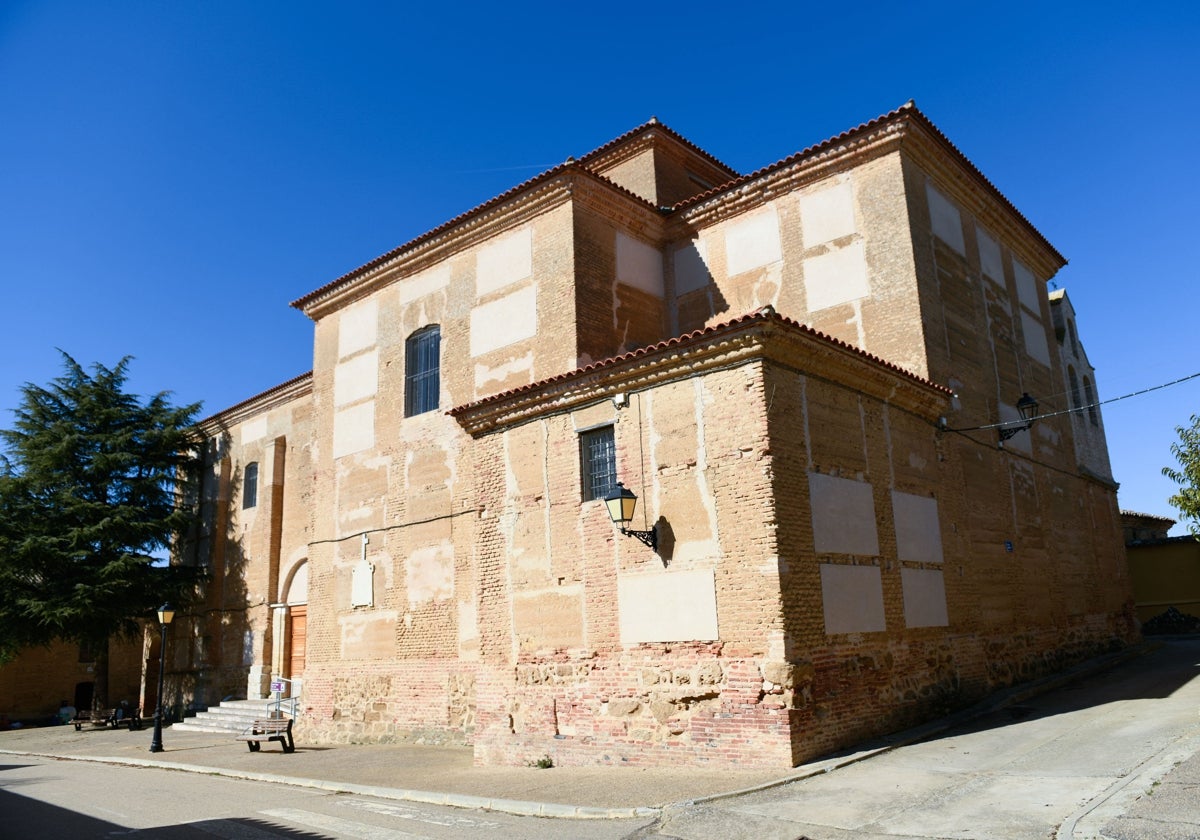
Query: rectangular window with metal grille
[[422, 365], [250, 487], [598, 462]]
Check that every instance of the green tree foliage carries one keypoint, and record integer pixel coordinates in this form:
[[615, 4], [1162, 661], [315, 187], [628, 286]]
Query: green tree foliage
[[91, 490], [1187, 453]]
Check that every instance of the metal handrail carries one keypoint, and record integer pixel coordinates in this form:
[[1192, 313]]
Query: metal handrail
[[277, 703]]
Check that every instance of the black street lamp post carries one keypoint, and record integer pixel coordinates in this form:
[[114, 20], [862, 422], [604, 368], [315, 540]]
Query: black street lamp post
[[165, 613]]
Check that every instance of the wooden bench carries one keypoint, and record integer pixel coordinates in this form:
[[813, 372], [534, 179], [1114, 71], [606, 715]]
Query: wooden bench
[[107, 718], [270, 729]]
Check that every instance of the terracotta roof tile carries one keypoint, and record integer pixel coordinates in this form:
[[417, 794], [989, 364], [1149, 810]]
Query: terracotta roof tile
[[908, 110], [654, 124], [766, 313], [569, 165]]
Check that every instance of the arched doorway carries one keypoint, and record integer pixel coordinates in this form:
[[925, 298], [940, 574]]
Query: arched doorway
[[296, 628]]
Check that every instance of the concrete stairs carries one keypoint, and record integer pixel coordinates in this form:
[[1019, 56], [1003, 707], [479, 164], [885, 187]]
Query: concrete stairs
[[233, 716]]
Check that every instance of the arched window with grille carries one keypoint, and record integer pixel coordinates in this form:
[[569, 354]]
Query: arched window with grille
[[422, 370]]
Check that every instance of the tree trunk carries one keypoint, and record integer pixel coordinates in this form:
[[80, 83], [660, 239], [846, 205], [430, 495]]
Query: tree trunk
[[100, 692]]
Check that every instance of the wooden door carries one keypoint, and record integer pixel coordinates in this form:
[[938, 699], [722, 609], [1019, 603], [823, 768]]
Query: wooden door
[[297, 630]]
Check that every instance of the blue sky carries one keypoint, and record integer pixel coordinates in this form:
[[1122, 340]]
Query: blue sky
[[172, 175]]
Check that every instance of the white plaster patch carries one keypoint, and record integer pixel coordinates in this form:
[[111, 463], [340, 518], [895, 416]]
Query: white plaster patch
[[356, 378], [431, 573], [667, 606], [1035, 337], [362, 584], [424, 283], [1027, 287], [843, 514], [354, 429], [827, 214], [924, 598], [504, 261], [918, 533], [945, 219], [752, 242], [836, 277], [852, 598], [253, 430], [990, 261], [485, 375], [502, 322], [639, 265], [297, 591], [691, 267], [468, 627], [357, 327]]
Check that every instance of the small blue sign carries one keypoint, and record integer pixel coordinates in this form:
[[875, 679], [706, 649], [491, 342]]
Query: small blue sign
[[1008, 546]]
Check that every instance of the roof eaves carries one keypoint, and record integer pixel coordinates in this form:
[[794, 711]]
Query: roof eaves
[[285, 390], [908, 110], [653, 124], [570, 164], [764, 314]]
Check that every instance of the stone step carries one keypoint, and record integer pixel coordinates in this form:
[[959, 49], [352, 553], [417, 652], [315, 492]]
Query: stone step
[[229, 716]]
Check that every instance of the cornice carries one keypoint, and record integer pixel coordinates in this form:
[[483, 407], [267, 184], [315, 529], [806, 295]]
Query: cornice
[[614, 150], [761, 337], [287, 392], [906, 129], [430, 250], [760, 187], [927, 147], [514, 208]]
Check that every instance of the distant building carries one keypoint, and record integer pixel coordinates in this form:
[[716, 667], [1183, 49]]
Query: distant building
[[34, 683], [1165, 571], [797, 371]]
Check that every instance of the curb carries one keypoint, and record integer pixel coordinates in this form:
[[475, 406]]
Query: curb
[[515, 807]]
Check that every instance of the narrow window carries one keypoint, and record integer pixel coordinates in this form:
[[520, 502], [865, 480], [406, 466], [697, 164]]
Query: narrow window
[[1074, 339], [598, 462], [1091, 401], [422, 365], [1074, 380], [250, 487]]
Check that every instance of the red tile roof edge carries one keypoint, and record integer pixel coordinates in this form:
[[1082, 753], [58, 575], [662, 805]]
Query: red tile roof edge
[[283, 386], [569, 164], [1124, 512], [766, 313], [907, 110], [654, 124]]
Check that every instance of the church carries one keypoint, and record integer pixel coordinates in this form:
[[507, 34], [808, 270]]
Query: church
[[648, 461]]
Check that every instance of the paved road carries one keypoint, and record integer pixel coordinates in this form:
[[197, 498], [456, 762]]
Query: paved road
[[1113, 755], [48, 799], [1083, 762]]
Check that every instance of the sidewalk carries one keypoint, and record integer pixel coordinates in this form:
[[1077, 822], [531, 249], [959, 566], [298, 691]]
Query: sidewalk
[[447, 776], [436, 775]]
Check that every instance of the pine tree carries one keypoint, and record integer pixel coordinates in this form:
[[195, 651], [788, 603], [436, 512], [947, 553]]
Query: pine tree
[[1187, 452], [92, 487]]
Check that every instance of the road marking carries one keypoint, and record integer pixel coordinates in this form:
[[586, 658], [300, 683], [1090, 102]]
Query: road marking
[[407, 812], [340, 827]]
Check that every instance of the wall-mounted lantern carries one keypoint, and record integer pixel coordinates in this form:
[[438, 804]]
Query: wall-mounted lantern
[[621, 503], [1028, 408]]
